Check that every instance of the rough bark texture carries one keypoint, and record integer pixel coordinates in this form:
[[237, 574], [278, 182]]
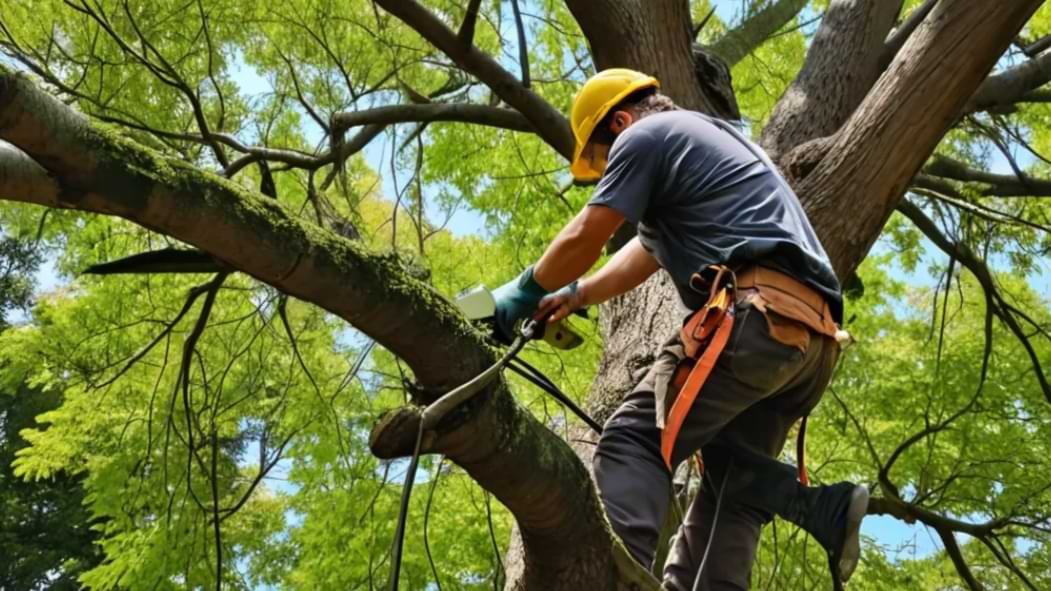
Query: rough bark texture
[[842, 63], [867, 166], [659, 31], [634, 325]]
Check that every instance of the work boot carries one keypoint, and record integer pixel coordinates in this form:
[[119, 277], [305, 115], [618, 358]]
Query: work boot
[[832, 515]]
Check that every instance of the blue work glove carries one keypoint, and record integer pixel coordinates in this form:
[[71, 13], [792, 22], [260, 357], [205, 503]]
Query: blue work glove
[[515, 300]]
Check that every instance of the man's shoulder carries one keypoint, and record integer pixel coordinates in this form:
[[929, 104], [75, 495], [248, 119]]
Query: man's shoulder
[[672, 120], [653, 130], [677, 126]]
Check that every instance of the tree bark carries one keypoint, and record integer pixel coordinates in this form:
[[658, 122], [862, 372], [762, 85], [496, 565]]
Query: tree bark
[[64, 162], [841, 65], [867, 166], [651, 36], [743, 39]]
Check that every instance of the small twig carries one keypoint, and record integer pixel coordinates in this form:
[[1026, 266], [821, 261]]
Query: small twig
[[523, 48]]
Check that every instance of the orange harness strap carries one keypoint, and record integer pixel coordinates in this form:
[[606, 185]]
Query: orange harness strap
[[704, 337], [698, 375]]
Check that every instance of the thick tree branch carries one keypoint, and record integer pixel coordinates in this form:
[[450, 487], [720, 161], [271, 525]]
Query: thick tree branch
[[103, 172], [753, 31], [841, 66], [533, 472], [431, 112], [20, 175], [548, 123], [470, 18], [1036, 47], [1004, 89], [660, 44], [901, 34], [919, 96]]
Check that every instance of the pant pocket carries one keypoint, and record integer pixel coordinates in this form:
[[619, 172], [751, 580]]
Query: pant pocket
[[663, 374], [760, 361], [787, 331]]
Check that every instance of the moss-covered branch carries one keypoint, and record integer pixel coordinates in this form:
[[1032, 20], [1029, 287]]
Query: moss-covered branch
[[64, 161], [101, 171]]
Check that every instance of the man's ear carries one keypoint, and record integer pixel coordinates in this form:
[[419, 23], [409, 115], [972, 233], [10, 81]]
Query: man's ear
[[620, 121]]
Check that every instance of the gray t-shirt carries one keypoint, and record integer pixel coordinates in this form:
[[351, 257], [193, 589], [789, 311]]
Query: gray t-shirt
[[701, 194]]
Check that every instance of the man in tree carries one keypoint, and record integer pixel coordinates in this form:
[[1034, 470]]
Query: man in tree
[[701, 195]]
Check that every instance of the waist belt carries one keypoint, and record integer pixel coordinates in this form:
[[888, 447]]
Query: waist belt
[[706, 332], [790, 298], [704, 337]]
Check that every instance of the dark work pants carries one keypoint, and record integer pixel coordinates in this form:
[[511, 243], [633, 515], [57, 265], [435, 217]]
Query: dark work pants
[[758, 389]]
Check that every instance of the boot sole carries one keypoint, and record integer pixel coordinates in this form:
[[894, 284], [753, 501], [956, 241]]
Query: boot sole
[[851, 551]]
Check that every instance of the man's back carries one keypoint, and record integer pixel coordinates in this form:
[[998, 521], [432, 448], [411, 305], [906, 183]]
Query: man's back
[[703, 194]]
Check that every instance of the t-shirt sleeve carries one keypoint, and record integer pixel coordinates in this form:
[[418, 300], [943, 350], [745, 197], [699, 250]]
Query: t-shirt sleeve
[[631, 173]]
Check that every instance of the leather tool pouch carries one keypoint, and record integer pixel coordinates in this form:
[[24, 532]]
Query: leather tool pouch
[[792, 310], [717, 282]]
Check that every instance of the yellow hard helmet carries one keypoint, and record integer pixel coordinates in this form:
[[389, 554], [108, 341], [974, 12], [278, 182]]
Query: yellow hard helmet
[[600, 93]]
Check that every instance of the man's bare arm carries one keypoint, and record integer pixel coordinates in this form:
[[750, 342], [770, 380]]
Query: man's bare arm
[[632, 265], [625, 271], [577, 246]]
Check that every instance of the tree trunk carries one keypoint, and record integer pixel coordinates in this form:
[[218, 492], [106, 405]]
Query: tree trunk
[[867, 166], [855, 164], [842, 63], [842, 66]]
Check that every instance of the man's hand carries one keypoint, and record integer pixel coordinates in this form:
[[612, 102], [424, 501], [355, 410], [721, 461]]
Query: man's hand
[[573, 251], [562, 303], [515, 300]]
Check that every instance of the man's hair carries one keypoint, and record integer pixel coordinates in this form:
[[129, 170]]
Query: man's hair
[[644, 102]]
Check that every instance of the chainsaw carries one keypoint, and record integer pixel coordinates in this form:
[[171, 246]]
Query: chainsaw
[[479, 305]]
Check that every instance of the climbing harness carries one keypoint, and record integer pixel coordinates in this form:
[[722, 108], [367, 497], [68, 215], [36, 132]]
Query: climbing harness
[[704, 336]]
